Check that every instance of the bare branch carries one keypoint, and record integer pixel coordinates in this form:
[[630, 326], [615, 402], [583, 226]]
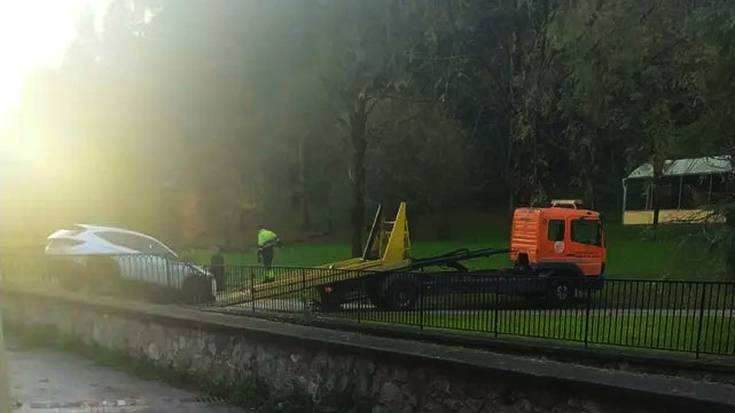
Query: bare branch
[[372, 105]]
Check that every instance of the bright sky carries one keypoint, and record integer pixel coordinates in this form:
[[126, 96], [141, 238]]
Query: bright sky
[[33, 34], [36, 33]]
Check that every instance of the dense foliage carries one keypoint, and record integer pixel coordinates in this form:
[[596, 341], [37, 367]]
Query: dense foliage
[[197, 119]]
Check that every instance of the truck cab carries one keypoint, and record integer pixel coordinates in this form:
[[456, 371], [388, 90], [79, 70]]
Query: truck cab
[[562, 240]]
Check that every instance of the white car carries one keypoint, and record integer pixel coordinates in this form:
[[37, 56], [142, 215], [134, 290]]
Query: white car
[[135, 256]]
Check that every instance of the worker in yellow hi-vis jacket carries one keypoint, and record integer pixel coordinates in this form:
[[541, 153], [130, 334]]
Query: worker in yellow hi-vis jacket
[[267, 241]]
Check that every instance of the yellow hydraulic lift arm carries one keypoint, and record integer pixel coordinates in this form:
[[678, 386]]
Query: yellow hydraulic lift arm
[[396, 251]]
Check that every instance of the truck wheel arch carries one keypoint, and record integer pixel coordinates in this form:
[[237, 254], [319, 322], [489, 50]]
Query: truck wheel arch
[[558, 269]]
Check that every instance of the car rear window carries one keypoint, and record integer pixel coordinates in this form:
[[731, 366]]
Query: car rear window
[[124, 240], [137, 243]]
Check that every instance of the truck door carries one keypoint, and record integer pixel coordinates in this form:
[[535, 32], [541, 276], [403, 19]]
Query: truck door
[[554, 246], [554, 241], [586, 245]]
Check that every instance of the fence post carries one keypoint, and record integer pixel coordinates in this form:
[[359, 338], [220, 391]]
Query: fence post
[[252, 290], [701, 316], [303, 292], [361, 293], [422, 291], [496, 303], [168, 273], [587, 318]]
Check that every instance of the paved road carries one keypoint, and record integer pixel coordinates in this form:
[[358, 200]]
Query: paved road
[[46, 381]]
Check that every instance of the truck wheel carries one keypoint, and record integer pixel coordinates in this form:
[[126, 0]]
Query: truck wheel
[[401, 295], [560, 291]]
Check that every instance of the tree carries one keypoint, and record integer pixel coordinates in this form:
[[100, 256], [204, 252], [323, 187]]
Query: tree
[[217, 115], [369, 65]]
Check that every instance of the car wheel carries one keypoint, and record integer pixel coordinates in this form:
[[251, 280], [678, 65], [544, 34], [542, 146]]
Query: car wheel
[[69, 274], [102, 274], [197, 290]]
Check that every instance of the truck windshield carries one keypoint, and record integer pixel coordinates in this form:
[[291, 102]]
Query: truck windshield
[[587, 231]]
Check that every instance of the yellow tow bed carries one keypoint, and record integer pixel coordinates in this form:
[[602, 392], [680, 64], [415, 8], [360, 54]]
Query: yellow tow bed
[[389, 249]]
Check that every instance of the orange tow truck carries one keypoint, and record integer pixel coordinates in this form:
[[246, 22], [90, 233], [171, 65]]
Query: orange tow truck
[[555, 251], [564, 239]]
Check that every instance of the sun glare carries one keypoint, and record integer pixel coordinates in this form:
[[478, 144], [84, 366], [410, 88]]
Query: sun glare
[[34, 34]]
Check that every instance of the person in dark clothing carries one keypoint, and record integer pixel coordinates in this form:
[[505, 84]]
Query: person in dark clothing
[[266, 256], [217, 268]]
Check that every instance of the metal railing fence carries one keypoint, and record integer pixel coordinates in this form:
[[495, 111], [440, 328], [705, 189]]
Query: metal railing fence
[[685, 316]]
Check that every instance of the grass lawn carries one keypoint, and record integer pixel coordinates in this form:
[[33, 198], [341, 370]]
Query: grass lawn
[[629, 254], [679, 331]]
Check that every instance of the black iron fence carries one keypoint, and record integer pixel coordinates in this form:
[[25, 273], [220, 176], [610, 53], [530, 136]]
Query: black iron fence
[[684, 316]]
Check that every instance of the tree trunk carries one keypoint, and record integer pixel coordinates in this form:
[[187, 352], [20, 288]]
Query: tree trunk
[[509, 165], [358, 123], [589, 191], [654, 197], [590, 178], [656, 207]]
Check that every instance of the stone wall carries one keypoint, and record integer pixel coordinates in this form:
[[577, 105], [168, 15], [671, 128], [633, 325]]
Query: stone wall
[[377, 374]]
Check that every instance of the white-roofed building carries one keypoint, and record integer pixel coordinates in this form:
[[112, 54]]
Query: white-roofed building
[[688, 189]]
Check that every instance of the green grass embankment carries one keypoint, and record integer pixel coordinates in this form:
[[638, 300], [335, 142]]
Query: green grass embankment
[[631, 253]]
